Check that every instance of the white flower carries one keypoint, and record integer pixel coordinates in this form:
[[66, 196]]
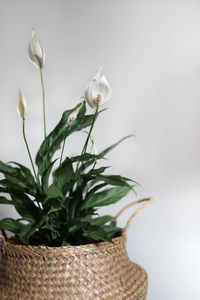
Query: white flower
[[36, 52], [73, 116], [22, 105], [99, 90]]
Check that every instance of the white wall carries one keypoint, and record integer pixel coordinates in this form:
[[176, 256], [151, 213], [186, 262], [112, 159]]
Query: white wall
[[150, 51]]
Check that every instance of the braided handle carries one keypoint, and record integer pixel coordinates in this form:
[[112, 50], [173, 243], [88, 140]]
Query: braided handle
[[3, 242], [146, 201]]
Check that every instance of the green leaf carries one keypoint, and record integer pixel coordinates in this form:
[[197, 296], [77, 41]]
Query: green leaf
[[63, 176], [114, 180], [4, 200], [62, 130], [54, 197], [26, 173], [17, 177], [27, 231], [51, 227], [101, 220], [96, 233], [11, 225], [96, 172], [45, 177], [3, 189], [25, 206], [83, 157], [5, 169], [106, 197], [96, 188], [111, 230]]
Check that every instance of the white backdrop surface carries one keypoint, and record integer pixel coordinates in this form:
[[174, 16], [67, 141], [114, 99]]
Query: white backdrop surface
[[150, 52]]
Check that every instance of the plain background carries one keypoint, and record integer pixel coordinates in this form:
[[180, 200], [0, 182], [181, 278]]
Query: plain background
[[150, 52]]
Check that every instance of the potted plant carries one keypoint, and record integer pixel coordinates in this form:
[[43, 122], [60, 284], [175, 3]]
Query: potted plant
[[62, 248]]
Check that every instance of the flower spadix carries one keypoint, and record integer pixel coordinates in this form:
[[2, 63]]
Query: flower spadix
[[99, 90], [36, 52], [22, 105], [73, 116]]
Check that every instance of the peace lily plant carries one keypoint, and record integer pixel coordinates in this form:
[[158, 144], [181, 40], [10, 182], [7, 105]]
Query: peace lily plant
[[58, 200]]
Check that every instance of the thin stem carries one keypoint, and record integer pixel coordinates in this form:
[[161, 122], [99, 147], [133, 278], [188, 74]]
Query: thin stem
[[28, 150], [89, 134], [91, 128], [30, 157], [62, 151], [43, 100], [63, 146]]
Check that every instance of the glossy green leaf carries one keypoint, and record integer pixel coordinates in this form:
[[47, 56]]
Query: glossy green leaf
[[83, 157], [96, 233], [101, 220], [111, 230], [63, 176], [26, 173], [11, 225], [45, 177], [4, 200], [62, 130], [54, 197], [27, 231], [25, 206], [19, 178], [114, 180], [106, 197], [95, 189], [3, 189]]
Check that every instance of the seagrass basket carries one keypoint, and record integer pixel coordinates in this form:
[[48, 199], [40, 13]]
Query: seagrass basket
[[87, 272]]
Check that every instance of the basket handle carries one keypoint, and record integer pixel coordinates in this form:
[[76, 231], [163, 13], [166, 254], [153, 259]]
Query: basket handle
[[146, 201], [3, 242]]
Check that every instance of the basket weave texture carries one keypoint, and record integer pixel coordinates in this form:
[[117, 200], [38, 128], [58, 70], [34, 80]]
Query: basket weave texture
[[87, 272]]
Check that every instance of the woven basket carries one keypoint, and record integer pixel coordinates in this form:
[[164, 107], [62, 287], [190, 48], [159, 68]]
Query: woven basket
[[87, 272]]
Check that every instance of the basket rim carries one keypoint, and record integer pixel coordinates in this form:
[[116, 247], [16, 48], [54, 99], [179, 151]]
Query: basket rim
[[12, 249]]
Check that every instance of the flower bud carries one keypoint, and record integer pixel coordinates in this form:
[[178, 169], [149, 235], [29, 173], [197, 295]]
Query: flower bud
[[22, 105], [73, 116], [98, 91], [36, 52]]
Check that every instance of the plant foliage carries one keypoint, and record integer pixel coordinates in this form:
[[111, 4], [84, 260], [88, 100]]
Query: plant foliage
[[59, 207], [58, 200]]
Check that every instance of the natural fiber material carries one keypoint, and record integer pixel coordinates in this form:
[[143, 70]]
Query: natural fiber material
[[87, 272]]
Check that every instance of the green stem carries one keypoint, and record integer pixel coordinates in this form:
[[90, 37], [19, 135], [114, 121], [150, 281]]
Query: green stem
[[30, 157], [43, 100], [91, 128], [63, 146], [62, 151], [89, 134], [28, 150]]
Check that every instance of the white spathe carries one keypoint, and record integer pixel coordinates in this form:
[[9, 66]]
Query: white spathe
[[98, 90], [22, 105], [36, 52]]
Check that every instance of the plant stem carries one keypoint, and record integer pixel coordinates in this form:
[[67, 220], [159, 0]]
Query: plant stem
[[89, 134], [63, 147], [28, 150], [30, 157], [91, 128], [62, 151], [43, 100]]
